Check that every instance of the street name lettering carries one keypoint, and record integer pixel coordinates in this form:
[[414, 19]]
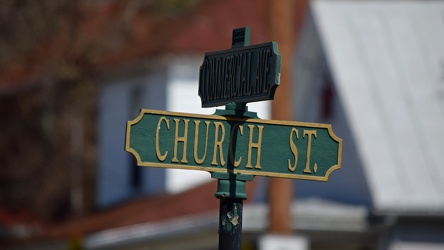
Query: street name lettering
[[218, 146], [239, 75], [238, 145]]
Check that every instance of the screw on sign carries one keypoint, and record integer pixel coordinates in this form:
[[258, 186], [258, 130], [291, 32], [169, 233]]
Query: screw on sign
[[233, 144]]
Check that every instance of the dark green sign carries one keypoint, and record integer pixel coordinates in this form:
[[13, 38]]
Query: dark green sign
[[231, 144], [240, 74]]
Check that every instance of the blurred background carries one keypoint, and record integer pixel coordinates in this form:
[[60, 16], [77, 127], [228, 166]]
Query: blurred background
[[72, 73]]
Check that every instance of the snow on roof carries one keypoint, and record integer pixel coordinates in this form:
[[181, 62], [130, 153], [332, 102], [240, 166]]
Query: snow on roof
[[387, 60]]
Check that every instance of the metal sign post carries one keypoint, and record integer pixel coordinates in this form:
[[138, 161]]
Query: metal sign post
[[234, 145]]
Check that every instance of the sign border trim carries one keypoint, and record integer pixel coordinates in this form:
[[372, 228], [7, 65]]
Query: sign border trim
[[225, 170]]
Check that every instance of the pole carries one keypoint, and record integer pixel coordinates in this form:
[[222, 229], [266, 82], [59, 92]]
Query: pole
[[284, 30], [231, 188], [230, 223], [231, 191], [280, 191]]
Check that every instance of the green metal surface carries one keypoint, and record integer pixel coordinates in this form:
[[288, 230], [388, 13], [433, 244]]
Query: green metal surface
[[229, 144], [231, 185], [244, 73], [236, 109]]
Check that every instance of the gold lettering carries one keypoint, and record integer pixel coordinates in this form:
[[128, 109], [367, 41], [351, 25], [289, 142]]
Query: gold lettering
[[196, 142], [182, 139], [256, 145], [294, 150], [218, 143], [307, 164], [158, 154], [231, 153]]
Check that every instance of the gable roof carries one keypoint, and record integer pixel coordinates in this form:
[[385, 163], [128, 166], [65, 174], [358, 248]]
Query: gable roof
[[387, 61]]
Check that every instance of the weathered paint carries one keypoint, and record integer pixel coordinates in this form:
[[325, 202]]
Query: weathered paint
[[230, 224]]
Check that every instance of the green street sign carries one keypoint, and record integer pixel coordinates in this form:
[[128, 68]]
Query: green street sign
[[241, 74], [237, 145]]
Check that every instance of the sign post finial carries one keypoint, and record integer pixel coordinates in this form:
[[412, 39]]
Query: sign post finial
[[241, 37]]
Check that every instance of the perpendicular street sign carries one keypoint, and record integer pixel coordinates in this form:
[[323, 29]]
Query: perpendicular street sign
[[240, 74], [232, 144]]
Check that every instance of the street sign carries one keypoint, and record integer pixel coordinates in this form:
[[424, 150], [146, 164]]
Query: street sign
[[241, 74], [237, 145], [233, 146]]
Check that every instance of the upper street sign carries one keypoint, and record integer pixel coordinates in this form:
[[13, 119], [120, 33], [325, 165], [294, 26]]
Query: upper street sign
[[238, 145], [241, 74]]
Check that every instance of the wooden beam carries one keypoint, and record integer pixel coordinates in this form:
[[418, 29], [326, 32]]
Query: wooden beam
[[285, 21]]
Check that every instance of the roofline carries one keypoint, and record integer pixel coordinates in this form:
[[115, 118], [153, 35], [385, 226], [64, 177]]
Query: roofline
[[152, 230], [412, 214], [340, 218]]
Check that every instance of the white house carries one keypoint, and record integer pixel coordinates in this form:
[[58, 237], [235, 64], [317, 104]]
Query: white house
[[375, 71]]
